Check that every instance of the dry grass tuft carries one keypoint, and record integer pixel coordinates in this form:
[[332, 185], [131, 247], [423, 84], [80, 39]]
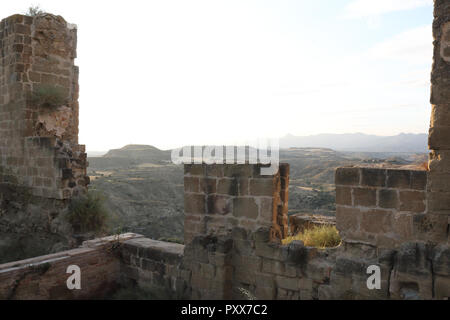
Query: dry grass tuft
[[318, 236]]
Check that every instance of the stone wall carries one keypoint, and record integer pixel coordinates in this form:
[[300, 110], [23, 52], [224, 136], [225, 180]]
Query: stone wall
[[41, 163], [218, 198], [438, 202], [45, 277], [155, 266], [384, 207]]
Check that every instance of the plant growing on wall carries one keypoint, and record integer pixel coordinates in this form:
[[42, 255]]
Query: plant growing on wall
[[319, 236], [34, 11], [87, 213], [48, 96]]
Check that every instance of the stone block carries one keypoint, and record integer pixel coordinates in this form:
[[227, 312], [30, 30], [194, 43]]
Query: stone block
[[377, 221], [419, 179], [266, 210], [364, 197], [343, 195], [441, 260], [228, 186], [388, 199], [439, 136], [439, 161], [269, 250], [263, 187], [243, 186], [243, 275], [413, 201], [219, 204], [400, 179], [403, 225], [347, 219], [214, 170], [288, 283], [273, 267], [439, 181], [245, 207], [238, 170], [243, 247], [194, 203], [373, 177], [265, 292], [442, 288], [191, 184], [440, 115], [439, 202], [431, 227], [347, 176]]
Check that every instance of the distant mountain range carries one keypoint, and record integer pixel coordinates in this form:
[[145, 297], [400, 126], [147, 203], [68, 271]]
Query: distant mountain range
[[359, 142], [353, 142]]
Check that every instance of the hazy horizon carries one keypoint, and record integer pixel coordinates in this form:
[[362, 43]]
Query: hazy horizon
[[212, 72], [246, 142]]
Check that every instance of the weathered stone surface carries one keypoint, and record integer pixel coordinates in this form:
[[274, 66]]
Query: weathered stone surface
[[413, 201], [347, 219], [400, 179], [377, 221], [191, 184], [347, 176], [263, 187], [344, 195], [194, 203], [364, 197], [439, 182], [388, 199], [219, 204], [412, 275], [373, 177], [431, 227], [245, 207], [228, 186], [441, 260], [439, 202], [439, 161], [439, 136]]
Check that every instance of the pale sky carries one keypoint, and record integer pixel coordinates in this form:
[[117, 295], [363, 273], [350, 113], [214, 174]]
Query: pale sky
[[182, 72]]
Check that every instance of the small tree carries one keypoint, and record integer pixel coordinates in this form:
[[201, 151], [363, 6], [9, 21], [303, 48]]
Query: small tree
[[34, 11]]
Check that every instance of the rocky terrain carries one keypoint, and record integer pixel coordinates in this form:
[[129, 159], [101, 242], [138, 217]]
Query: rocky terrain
[[144, 190]]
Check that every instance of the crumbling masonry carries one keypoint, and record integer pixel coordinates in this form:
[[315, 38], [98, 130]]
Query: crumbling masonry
[[41, 164], [395, 219]]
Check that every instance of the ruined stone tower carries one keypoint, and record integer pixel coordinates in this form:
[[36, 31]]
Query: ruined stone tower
[[41, 163]]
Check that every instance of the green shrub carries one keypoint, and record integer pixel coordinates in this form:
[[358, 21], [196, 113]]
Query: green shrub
[[87, 213], [49, 96], [34, 11], [318, 236]]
